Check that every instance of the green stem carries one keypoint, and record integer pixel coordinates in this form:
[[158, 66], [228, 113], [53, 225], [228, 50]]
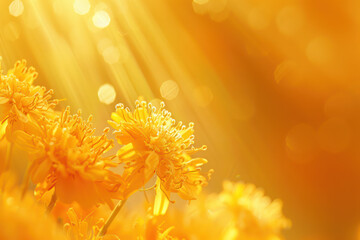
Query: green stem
[[111, 218]]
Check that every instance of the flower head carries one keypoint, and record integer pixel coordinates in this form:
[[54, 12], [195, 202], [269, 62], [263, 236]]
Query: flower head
[[154, 143], [22, 104], [240, 211], [69, 157], [255, 215]]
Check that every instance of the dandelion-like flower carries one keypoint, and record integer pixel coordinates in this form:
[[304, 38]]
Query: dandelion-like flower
[[22, 104], [255, 215], [154, 143], [69, 157]]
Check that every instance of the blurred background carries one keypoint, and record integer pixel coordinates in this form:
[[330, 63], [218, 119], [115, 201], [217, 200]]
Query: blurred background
[[272, 86]]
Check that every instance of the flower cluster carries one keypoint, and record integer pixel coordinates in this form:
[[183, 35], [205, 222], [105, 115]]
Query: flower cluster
[[73, 179]]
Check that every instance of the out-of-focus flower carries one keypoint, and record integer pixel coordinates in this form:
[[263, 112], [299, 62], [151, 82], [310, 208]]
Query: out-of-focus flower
[[69, 157], [151, 229], [23, 105], [23, 218], [136, 222], [254, 215], [140, 224], [153, 143], [195, 221], [85, 229], [240, 211]]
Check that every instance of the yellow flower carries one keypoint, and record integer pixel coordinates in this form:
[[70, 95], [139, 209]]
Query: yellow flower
[[23, 105], [69, 157], [195, 221], [153, 230], [23, 218], [85, 229], [153, 143], [137, 223], [240, 211], [255, 215]]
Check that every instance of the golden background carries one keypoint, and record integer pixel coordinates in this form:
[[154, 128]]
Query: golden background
[[272, 86]]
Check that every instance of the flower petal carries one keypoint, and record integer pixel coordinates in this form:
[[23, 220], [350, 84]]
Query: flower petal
[[161, 203]]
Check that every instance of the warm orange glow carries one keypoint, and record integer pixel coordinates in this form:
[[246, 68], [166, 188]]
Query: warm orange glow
[[271, 85]]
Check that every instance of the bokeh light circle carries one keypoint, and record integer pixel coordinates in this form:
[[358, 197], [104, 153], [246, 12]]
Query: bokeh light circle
[[107, 94]]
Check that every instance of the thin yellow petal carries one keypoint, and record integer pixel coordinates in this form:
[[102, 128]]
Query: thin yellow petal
[[127, 152], [161, 203], [4, 100], [3, 129], [116, 117]]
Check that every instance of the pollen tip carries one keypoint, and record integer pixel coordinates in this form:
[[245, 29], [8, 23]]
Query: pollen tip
[[137, 103], [119, 106]]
